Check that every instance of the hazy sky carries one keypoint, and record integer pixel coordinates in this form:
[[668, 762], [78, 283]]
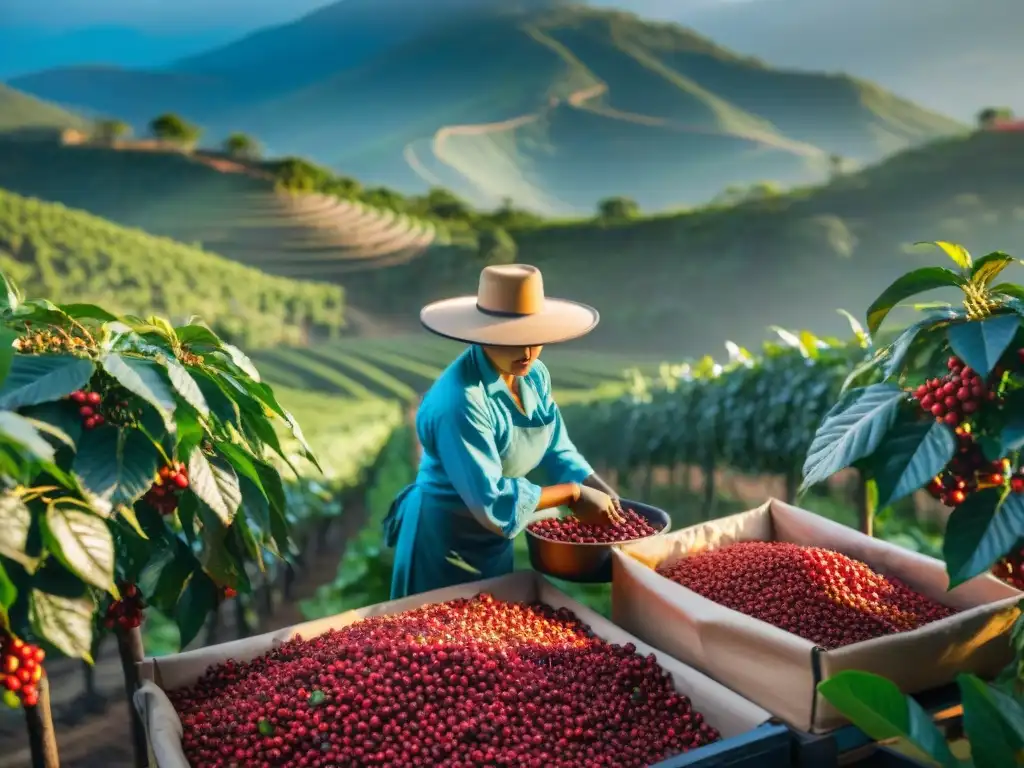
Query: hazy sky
[[175, 15]]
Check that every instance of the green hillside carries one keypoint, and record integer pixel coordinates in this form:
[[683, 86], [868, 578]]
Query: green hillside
[[73, 257], [513, 101], [403, 367], [680, 284], [21, 112]]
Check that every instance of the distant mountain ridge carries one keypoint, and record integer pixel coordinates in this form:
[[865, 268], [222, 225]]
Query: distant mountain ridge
[[550, 104]]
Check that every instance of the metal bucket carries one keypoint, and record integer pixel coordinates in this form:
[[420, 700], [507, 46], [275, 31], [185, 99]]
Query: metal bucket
[[587, 563]]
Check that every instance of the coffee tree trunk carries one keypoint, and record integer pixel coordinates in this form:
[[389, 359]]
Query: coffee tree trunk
[[42, 739], [865, 505], [708, 505], [129, 647], [792, 485]]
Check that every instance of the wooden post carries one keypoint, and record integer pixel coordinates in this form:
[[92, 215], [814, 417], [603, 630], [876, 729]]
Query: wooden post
[[866, 500], [129, 647], [792, 485], [242, 627], [42, 739], [708, 506]]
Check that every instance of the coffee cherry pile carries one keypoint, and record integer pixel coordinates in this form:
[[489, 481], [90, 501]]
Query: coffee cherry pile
[[820, 595], [967, 472], [125, 613], [466, 683], [572, 530], [22, 669], [167, 486], [956, 396]]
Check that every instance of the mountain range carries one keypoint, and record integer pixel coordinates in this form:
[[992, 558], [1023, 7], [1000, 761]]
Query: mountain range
[[552, 105]]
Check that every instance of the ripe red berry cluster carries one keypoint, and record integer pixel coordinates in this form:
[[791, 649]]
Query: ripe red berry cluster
[[955, 396], [820, 595], [477, 682], [89, 405], [967, 472], [229, 592], [22, 669], [125, 613], [1011, 569], [571, 529], [167, 486]]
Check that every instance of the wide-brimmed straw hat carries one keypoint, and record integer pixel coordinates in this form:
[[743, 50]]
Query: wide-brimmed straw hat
[[509, 310]]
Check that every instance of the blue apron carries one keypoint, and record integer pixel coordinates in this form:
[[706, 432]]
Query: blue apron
[[427, 534]]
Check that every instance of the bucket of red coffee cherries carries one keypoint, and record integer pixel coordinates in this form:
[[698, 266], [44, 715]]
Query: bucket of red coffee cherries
[[571, 550]]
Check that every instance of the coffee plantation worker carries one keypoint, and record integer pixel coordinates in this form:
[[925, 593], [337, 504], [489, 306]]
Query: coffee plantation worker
[[488, 421]]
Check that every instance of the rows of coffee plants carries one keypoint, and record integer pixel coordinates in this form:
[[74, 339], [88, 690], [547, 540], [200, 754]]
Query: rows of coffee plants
[[54, 251], [946, 414], [143, 465], [753, 414]]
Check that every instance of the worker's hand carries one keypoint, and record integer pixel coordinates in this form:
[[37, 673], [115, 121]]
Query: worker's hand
[[596, 507]]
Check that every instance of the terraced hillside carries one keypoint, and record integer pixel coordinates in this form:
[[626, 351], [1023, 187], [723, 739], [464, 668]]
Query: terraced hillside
[[75, 257], [551, 104], [223, 207], [403, 367]]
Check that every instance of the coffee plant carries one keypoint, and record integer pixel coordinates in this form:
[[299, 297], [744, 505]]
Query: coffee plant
[[947, 415], [135, 470], [753, 414]]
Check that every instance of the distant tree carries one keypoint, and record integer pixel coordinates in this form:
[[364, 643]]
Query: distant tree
[[382, 197], [836, 165], [445, 204], [992, 115], [241, 145], [617, 209], [298, 175], [172, 128], [112, 130], [496, 246]]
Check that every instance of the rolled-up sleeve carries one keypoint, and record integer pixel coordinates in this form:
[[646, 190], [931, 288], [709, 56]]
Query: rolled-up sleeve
[[562, 462], [467, 451]]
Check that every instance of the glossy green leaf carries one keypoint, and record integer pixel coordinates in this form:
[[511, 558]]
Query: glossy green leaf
[[910, 284], [980, 343], [65, 622], [852, 430], [116, 466], [15, 522], [143, 378], [989, 266], [239, 358], [994, 742], [7, 353], [22, 431], [879, 708], [862, 336], [199, 597], [35, 379], [1009, 289], [1012, 437], [909, 457], [981, 531], [8, 594], [82, 542], [185, 385], [197, 336], [88, 312], [959, 255], [215, 482]]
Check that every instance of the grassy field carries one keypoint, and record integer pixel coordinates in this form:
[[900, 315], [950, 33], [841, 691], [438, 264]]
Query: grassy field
[[553, 104], [402, 368]]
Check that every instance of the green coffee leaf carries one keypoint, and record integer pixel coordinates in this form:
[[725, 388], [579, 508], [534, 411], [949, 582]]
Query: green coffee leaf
[[35, 379], [65, 622], [82, 542], [980, 343]]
